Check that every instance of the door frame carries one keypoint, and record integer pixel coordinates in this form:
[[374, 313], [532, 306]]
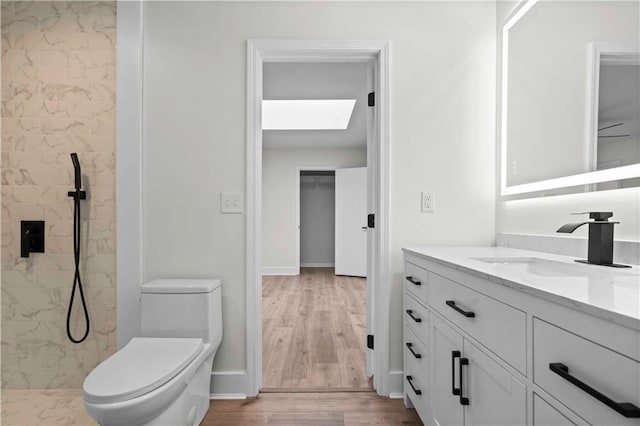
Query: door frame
[[298, 170], [274, 50]]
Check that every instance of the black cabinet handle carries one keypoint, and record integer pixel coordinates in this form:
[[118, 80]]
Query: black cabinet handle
[[410, 346], [413, 281], [410, 380], [463, 400], [452, 305], [410, 313], [454, 389], [627, 409]]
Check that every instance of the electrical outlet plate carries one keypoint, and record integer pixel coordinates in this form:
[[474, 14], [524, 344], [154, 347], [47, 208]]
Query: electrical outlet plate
[[230, 202], [428, 202]]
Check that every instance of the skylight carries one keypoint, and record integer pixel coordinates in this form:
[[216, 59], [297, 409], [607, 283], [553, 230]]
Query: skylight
[[316, 114]]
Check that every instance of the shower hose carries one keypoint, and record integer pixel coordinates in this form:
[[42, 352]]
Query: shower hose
[[77, 282]]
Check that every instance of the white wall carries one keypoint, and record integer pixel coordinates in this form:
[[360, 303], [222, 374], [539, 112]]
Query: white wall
[[279, 197], [442, 138], [317, 220], [542, 216]]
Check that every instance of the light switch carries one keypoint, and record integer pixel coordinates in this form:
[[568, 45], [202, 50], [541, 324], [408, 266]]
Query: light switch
[[230, 202]]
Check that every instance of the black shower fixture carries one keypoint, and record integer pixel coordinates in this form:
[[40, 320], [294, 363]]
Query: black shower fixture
[[77, 195], [31, 237]]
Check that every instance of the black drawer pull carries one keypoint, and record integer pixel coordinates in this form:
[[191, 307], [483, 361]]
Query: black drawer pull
[[410, 346], [413, 281], [410, 380], [463, 400], [454, 389], [452, 305], [410, 313], [627, 409]]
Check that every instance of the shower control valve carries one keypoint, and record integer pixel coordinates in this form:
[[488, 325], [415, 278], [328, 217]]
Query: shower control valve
[[31, 237]]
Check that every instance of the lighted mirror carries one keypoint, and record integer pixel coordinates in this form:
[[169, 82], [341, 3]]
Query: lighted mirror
[[570, 97]]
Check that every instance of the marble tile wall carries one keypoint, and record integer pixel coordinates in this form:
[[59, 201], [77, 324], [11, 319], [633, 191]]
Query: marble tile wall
[[58, 97]]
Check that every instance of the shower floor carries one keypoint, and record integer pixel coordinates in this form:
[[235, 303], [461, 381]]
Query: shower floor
[[51, 407]]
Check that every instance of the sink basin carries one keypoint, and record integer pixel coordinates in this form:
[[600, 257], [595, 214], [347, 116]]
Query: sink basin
[[541, 267], [509, 260]]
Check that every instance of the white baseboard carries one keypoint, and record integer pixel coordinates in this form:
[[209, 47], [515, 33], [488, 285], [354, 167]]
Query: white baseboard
[[228, 385], [317, 265], [396, 388], [279, 270]]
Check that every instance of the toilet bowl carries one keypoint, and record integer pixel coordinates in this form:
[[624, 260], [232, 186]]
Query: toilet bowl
[[162, 377]]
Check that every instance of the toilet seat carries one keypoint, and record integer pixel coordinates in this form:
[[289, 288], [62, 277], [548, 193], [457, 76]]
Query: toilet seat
[[144, 364]]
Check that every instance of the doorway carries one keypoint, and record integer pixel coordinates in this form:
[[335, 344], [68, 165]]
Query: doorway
[[314, 323], [264, 51]]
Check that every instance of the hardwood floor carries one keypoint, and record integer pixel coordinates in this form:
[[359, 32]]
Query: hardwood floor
[[314, 332], [326, 409]]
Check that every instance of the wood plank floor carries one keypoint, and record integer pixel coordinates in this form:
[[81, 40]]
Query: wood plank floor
[[326, 409], [314, 332]]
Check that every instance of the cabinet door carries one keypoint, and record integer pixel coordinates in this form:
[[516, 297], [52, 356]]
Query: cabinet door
[[445, 407], [545, 415], [495, 396]]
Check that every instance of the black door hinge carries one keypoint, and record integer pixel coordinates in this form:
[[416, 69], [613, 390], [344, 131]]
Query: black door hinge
[[370, 341], [371, 99], [371, 220]]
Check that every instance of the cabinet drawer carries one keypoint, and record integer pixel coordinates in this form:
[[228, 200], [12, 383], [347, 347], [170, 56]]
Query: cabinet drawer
[[415, 316], [415, 279], [498, 326], [580, 374], [415, 354], [417, 370]]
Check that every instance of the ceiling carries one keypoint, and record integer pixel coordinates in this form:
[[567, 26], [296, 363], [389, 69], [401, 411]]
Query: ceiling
[[318, 81]]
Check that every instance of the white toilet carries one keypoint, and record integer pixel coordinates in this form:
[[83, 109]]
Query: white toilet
[[162, 377]]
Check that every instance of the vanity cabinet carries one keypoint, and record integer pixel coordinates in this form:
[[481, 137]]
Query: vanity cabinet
[[477, 352]]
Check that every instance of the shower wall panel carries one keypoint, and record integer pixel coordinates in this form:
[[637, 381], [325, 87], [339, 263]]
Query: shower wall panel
[[58, 96]]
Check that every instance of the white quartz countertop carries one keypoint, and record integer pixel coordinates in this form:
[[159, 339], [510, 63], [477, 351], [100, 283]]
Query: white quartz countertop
[[610, 293]]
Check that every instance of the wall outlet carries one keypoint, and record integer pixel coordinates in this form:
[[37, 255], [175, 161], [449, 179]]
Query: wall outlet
[[230, 202], [428, 202]]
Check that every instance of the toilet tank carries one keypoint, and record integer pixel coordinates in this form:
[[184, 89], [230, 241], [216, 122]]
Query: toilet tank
[[182, 308]]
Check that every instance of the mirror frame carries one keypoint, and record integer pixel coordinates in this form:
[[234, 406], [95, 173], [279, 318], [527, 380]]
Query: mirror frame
[[598, 176]]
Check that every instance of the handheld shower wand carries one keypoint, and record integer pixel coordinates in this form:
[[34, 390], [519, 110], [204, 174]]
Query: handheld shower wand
[[77, 171], [77, 195]]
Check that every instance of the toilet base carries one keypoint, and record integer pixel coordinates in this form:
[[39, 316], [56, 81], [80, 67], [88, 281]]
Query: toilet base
[[193, 403]]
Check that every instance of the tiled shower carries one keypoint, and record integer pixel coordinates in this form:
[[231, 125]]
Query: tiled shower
[[58, 96]]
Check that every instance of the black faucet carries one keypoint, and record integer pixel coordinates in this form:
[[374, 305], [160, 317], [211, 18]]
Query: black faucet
[[600, 238]]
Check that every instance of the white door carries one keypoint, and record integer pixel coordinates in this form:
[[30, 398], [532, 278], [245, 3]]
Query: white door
[[351, 222]]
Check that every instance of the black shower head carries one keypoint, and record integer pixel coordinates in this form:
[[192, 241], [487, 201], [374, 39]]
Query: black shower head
[[77, 172]]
